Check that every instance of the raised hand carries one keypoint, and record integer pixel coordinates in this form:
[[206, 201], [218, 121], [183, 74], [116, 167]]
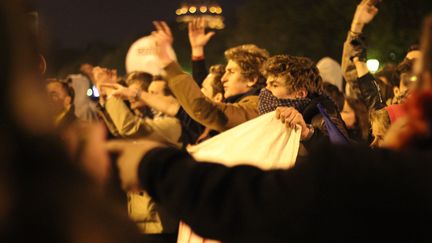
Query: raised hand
[[104, 76], [364, 14], [164, 30], [164, 40], [197, 36]]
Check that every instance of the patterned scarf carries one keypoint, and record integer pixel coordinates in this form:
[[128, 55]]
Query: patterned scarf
[[268, 102]]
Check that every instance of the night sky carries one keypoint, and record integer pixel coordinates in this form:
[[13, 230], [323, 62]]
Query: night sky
[[76, 23]]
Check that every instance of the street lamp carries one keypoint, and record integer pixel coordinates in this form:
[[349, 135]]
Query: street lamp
[[210, 10], [373, 65]]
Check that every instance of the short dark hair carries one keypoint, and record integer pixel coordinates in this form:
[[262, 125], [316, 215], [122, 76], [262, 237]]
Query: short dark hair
[[144, 79], [389, 73], [218, 71], [299, 72], [335, 94], [167, 90], [66, 86]]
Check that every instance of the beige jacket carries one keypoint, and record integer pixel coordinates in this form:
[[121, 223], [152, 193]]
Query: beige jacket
[[164, 129], [217, 116], [141, 207]]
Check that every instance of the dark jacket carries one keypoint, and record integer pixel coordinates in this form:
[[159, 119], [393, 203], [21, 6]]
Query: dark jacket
[[199, 71], [312, 115], [191, 130], [369, 92], [68, 119], [365, 88], [337, 194]]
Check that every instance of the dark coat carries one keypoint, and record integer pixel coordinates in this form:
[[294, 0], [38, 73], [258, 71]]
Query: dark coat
[[337, 194], [312, 115], [68, 119]]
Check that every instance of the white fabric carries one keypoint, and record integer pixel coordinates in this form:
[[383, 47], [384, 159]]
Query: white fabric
[[263, 142], [331, 72]]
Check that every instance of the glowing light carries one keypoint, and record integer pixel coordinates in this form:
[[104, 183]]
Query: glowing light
[[213, 9], [218, 10], [192, 9], [184, 10], [203, 9], [373, 65], [95, 91], [179, 12], [89, 92]]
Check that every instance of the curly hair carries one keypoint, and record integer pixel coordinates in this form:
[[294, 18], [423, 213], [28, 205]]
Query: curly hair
[[382, 119], [298, 72], [250, 58], [218, 71]]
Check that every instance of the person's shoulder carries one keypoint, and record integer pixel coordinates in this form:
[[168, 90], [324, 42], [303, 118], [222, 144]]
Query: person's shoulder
[[249, 99]]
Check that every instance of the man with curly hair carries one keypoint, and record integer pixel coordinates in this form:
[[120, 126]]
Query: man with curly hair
[[241, 83], [294, 90]]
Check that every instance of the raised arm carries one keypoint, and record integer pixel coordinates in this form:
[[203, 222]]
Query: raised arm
[[364, 14], [165, 104], [217, 116], [198, 39]]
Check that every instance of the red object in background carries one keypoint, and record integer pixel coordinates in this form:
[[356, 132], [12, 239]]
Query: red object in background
[[395, 112], [419, 113]]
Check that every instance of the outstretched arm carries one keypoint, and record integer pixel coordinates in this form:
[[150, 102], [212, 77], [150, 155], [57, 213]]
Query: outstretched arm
[[165, 104], [331, 187], [198, 39], [364, 14], [217, 116]]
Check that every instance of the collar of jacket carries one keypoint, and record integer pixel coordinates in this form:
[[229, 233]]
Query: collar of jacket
[[237, 98]]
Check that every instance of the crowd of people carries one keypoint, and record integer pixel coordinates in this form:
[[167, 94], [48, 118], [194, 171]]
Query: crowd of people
[[71, 166]]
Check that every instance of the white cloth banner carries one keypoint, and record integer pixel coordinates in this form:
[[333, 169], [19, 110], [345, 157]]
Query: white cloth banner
[[263, 142]]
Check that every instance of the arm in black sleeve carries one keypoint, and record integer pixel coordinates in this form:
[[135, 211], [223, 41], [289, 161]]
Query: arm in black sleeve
[[335, 192], [191, 129], [199, 71], [370, 92], [223, 203]]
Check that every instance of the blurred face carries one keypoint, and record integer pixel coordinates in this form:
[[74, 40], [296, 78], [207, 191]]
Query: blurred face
[[86, 68], [348, 115], [157, 88], [60, 100], [207, 88], [378, 132], [407, 81], [233, 80], [136, 104]]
